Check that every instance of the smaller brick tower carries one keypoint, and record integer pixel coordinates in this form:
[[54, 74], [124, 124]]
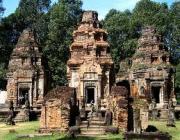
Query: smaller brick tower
[[26, 72]]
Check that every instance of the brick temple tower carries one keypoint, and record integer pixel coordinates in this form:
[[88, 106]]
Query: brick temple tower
[[90, 64], [151, 73], [26, 74]]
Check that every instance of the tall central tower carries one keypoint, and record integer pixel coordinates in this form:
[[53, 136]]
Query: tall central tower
[[90, 65]]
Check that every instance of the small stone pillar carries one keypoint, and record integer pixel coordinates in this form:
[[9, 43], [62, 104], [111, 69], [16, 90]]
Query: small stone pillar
[[108, 117], [137, 121], [144, 118], [171, 117]]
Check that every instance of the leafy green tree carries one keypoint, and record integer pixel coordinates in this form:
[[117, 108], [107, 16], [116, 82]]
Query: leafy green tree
[[8, 38], [31, 10], [1, 8], [25, 15], [121, 41], [30, 13], [64, 17], [174, 41], [147, 12], [33, 14]]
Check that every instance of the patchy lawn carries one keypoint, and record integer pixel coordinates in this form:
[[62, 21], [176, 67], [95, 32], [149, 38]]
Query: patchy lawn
[[31, 127], [173, 131], [22, 128]]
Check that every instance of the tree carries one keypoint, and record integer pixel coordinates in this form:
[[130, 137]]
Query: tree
[[1, 8], [64, 17], [32, 13], [31, 10], [121, 41], [124, 27], [174, 41], [9, 33], [147, 12]]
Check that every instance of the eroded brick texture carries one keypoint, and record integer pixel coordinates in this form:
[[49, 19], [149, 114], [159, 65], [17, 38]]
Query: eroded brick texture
[[56, 110], [118, 104], [26, 72]]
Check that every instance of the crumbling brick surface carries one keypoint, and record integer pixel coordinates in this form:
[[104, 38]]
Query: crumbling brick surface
[[118, 104], [55, 115], [26, 71], [119, 91], [60, 92]]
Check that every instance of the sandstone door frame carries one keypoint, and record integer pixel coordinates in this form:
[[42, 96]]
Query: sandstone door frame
[[90, 93], [161, 92], [25, 85], [91, 84]]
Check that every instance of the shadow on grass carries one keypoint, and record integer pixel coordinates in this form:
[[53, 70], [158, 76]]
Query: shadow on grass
[[89, 138], [78, 138]]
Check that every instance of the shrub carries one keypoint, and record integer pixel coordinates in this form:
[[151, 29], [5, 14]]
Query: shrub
[[112, 130]]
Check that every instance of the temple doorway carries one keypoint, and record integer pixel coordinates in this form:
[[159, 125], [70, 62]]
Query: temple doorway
[[90, 95], [23, 92], [156, 94]]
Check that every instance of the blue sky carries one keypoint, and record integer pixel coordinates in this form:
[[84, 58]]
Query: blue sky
[[101, 6]]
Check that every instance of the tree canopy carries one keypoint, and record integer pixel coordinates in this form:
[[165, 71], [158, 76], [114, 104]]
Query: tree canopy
[[1, 8], [64, 17], [53, 26]]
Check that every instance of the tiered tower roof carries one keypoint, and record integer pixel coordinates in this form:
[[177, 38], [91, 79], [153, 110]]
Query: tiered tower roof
[[151, 50], [150, 40], [90, 40], [26, 54]]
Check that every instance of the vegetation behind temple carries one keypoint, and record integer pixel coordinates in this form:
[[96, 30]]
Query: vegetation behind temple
[[53, 26]]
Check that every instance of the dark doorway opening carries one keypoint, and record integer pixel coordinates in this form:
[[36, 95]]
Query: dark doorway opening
[[89, 95], [156, 94], [23, 92]]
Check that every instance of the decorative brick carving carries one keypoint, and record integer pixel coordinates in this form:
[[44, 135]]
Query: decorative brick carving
[[150, 73], [90, 64]]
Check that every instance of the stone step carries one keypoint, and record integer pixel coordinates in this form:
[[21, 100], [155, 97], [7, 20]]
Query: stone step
[[92, 126], [94, 123], [95, 126], [96, 119], [93, 133], [91, 136], [97, 122], [21, 116], [92, 129]]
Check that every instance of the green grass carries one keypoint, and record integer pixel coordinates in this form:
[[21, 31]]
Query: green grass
[[173, 131], [22, 128], [31, 127]]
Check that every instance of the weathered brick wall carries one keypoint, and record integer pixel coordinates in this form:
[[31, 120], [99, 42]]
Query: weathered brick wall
[[118, 104], [55, 115]]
